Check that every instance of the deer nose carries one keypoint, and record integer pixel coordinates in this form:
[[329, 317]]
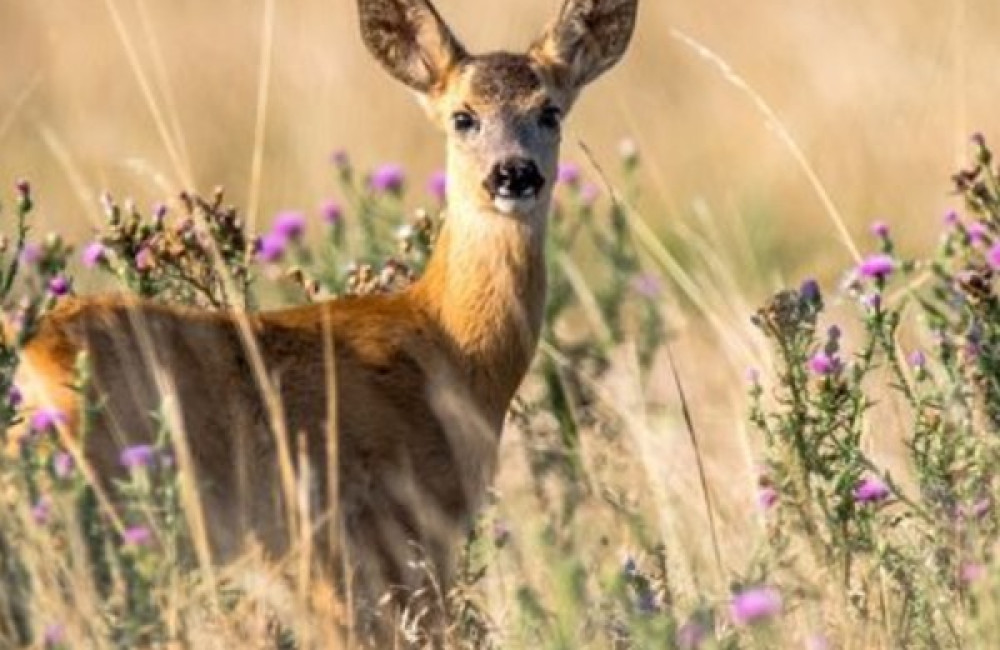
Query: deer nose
[[514, 178]]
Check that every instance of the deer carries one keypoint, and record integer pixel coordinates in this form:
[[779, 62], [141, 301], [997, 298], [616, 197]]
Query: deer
[[393, 404]]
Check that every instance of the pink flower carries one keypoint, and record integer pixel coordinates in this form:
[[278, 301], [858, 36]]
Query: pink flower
[[437, 185], [880, 229], [569, 174], [93, 254], [63, 465], [46, 419], [871, 490], [755, 605], [289, 224], [137, 456], [59, 285], [388, 179], [972, 572], [42, 511], [877, 266], [332, 213], [691, 635], [823, 364], [767, 498], [993, 257], [647, 285], [271, 247], [977, 232], [137, 536]]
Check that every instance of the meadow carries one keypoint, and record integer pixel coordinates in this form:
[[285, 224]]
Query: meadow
[[765, 409]]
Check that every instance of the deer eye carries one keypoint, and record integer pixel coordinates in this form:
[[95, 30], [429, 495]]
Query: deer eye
[[465, 122], [550, 118]]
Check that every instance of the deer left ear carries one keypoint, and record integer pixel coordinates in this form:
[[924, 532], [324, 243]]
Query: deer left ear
[[587, 39]]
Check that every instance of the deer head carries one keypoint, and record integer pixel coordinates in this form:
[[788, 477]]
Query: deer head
[[502, 112]]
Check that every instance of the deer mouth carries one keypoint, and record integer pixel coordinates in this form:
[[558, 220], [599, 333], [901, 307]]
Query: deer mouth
[[507, 202]]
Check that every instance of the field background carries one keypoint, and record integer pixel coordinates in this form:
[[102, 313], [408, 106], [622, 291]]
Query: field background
[[879, 96]]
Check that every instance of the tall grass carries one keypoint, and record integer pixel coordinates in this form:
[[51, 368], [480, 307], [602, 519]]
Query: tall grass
[[616, 521]]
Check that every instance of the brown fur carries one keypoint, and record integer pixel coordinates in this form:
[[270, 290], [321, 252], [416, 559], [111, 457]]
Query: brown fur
[[422, 379]]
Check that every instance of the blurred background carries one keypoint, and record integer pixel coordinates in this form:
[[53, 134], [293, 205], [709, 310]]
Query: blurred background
[[143, 98]]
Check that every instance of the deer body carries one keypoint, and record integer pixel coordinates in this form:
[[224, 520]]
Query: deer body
[[421, 380]]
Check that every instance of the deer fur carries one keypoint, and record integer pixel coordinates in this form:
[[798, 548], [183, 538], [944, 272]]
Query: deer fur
[[422, 379]]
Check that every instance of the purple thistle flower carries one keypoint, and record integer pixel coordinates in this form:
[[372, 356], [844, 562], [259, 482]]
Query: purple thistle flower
[[767, 498], [979, 140], [972, 572], [993, 257], [755, 605], [977, 232], [951, 219], [877, 266], [873, 301], [289, 224], [59, 285], [136, 536], [647, 285], [880, 229], [388, 179], [159, 213], [63, 465], [691, 635], [55, 634], [569, 174], [340, 159], [41, 512], [437, 185], [31, 254], [93, 254], [871, 490], [23, 187], [589, 194], [823, 364], [982, 507], [144, 260], [271, 247], [47, 418], [810, 292], [14, 396], [917, 359], [331, 212], [137, 456]]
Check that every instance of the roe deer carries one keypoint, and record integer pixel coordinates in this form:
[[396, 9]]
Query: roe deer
[[421, 380]]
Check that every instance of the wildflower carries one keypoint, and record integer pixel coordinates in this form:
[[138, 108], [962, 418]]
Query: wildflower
[[647, 285], [810, 292], [55, 635], [340, 159], [137, 456], [817, 642], [24, 202], [144, 260], [691, 635], [589, 194], [331, 213], [31, 254], [767, 498], [993, 257], [14, 396], [137, 536], [977, 232], [971, 572], [880, 229], [951, 219], [917, 359], [501, 534], [47, 418], [877, 266], [823, 364], [872, 301], [982, 507], [871, 490], [63, 464], [271, 247], [569, 174], [93, 254], [388, 179], [159, 213], [755, 605], [437, 185], [289, 224], [23, 187], [59, 285], [41, 511]]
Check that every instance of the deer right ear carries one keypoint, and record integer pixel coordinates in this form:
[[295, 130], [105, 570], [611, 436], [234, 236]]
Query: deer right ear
[[410, 40]]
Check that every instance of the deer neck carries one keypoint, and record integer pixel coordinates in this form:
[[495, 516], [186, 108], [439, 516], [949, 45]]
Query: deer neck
[[485, 287]]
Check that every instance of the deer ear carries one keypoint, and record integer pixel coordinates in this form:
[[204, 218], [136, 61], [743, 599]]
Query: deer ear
[[410, 40], [587, 38]]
